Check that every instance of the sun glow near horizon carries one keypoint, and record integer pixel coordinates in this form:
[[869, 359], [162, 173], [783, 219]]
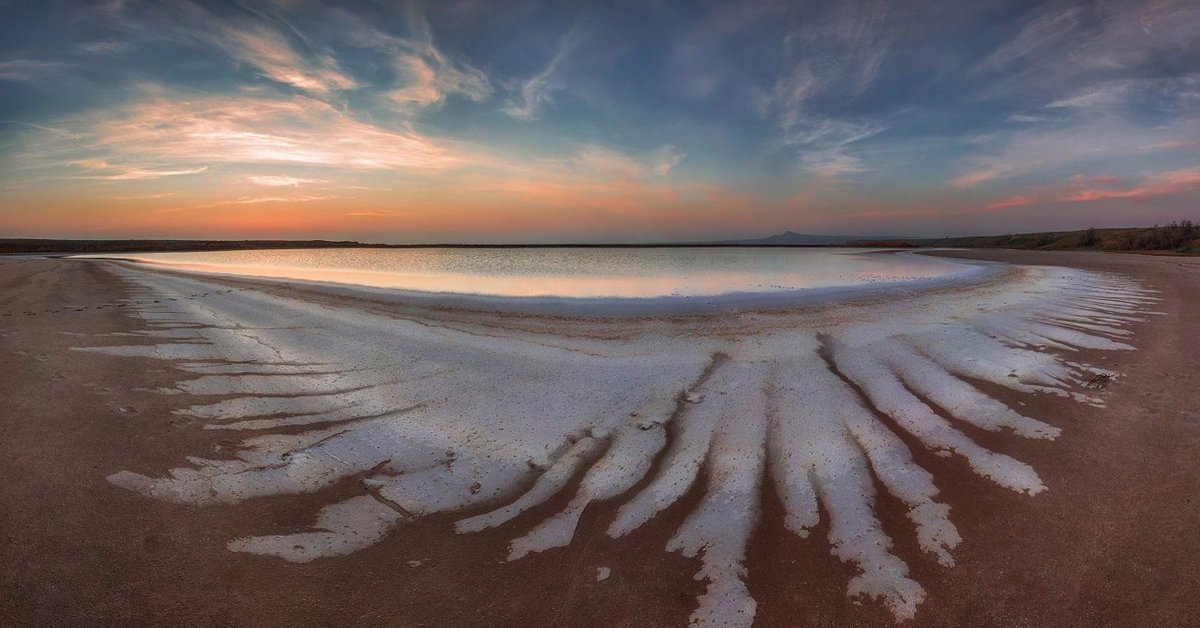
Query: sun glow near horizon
[[453, 122]]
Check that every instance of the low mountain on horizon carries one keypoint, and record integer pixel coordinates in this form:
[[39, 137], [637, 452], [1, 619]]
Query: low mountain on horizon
[[791, 238]]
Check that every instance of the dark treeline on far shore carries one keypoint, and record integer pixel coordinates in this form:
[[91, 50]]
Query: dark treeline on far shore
[[1177, 237]]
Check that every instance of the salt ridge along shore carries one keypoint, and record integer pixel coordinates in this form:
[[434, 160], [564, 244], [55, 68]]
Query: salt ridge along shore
[[492, 416]]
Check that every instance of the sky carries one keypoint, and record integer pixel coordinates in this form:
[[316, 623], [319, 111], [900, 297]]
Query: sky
[[526, 121]]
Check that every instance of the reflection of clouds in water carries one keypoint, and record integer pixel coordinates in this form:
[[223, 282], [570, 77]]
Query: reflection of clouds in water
[[491, 414]]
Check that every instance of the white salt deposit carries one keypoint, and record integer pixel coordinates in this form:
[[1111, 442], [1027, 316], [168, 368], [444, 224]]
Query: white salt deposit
[[432, 411]]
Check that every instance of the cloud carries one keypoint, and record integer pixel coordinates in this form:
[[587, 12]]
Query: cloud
[[130, 173], [259, 129], [1168, 94], [1036, 39], [104, 47], [425, 75], [378, 213], [599, 162], [275, 58], [280, 181], [538, 90], [1060, 52], [1173, 182], [255, 200], [836, 57], [594, 178], [143, 197], [429, 81], [1102, 94], [1085, 143], [704, 59], [1089, 189], [975, 177], [824, 145], [664, 159], [28, 69], [1022, 118], [249, 38], [1015, 201]]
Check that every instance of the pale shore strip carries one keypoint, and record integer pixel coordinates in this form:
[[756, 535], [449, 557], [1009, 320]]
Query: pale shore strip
[[884, 431]]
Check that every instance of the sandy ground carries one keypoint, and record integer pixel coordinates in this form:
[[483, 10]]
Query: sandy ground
[[1115, 541]]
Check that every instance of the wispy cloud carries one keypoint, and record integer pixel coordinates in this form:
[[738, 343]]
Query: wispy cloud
[[538, 90], [280, 181], [378, 213], [1175, 182], [116, 172], [277, 60], [1083, 144], [1042, 34], [427, 84], [664, 159], [1090, 189], [425, 75], [839, 55], [249, 38], [255, 200], [28, 69], [143, 197], [599, 162], [1065, 52], [104, 47], [259, 129]]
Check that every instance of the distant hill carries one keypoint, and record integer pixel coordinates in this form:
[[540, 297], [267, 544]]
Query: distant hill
[[791, 238]]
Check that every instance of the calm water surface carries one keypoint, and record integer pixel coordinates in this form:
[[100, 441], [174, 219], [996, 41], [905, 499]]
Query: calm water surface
[[576, 272]]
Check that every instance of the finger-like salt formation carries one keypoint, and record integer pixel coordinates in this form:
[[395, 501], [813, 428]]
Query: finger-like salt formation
[[626, 462], [720, 526], [687, 453], [968, 354], [791, 466], [342, 528], [546, 486], [887, 394], [821, 449], [955, 396], [440, 411]]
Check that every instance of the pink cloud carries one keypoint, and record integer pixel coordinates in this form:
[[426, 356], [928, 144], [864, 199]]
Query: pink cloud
[[1158, 185], [971, 179], [1015, 201], [1083, 189], [257, 129]]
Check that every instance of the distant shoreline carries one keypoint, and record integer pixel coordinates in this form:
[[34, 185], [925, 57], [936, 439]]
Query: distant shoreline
[[135, 246], [1173, 239]]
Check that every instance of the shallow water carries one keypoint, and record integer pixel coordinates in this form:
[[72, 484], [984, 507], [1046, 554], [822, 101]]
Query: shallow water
[[578, 272]]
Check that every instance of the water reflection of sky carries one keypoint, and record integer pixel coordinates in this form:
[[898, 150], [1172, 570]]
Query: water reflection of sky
[[629, 273]]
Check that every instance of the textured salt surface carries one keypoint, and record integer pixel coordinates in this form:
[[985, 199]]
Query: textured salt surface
[[499, 415]]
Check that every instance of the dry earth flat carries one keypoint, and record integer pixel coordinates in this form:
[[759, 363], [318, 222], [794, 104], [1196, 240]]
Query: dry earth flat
[[1115, 541]]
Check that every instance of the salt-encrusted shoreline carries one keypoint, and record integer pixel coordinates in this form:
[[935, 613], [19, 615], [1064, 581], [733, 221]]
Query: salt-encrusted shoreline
[[437, 419]]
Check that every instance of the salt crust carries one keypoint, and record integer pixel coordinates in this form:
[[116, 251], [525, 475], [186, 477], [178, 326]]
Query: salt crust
[[497, 419]]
